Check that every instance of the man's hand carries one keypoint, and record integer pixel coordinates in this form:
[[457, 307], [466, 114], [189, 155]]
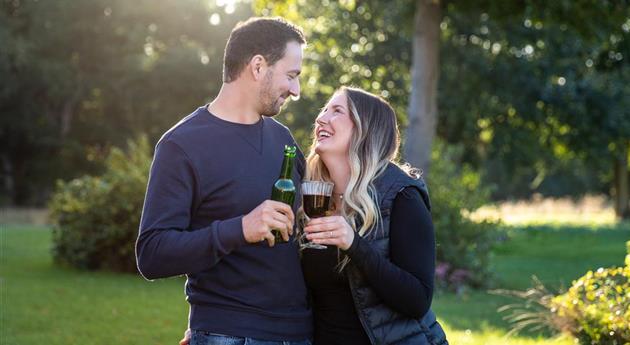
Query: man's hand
[[186, 339], [269, 215]]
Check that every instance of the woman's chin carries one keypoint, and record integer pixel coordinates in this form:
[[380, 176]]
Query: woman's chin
[[327, 151], [323, 151], [319, 149]]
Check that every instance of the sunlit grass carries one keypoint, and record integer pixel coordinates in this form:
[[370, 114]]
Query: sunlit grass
[[590, 210], [33, 216], [493, 336]]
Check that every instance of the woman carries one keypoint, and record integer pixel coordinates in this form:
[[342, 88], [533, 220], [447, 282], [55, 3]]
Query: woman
[[374, 283]]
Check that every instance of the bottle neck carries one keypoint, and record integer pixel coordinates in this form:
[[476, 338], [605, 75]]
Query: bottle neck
[[287, 167]]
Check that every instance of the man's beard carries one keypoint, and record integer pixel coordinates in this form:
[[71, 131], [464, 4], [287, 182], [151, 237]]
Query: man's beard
[[270, 105]]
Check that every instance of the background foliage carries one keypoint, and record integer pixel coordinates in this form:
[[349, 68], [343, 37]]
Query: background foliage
[[82, 76], [96, 218], [463, 247], [596, 308], [536, 94]]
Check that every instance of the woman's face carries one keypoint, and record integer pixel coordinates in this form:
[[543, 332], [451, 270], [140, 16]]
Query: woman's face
[[334, 127]]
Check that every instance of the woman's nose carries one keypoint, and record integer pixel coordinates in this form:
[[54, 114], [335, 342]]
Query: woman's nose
[[322, 119]]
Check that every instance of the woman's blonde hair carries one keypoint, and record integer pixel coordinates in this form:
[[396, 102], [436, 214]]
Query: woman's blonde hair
[[373, 145]]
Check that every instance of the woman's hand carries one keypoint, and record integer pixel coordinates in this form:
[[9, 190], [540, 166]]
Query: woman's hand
[[333, 230]]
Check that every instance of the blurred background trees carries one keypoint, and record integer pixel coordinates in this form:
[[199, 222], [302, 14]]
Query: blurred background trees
[[535, 94], [79, 77]]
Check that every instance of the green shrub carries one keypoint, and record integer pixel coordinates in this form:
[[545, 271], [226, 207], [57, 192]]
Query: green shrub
[[596, 309], [463, 246], [96, 218]]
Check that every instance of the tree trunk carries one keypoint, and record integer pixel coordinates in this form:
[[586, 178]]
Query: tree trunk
[[622, 190], [422, 109], [7, 173], [20, 182], [67, 112]]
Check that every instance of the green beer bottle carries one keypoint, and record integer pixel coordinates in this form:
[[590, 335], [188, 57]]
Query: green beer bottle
[[284, 189]]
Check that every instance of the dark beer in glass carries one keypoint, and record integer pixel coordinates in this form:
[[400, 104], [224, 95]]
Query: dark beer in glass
[[316, 203]]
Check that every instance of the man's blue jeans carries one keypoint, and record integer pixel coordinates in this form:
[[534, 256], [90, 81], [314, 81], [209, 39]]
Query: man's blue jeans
[[207, 338]]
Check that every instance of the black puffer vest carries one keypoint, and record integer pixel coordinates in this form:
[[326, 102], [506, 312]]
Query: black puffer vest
[[383, 325]]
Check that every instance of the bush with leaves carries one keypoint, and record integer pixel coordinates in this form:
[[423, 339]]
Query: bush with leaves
[[463, 246], [96, 217], [596, 309]]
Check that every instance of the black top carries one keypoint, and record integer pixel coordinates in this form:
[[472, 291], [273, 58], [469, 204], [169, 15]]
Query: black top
[[206, 174], [405, 283]]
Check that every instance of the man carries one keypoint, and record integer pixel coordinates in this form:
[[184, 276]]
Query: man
[[207, 213]]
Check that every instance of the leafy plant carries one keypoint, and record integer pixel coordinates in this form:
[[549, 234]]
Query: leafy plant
[[96, 217], [595, 309], [463, 246]]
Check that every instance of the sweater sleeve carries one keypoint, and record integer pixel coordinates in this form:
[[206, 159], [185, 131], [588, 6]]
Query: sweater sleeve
[[406, 282], [166, 245]]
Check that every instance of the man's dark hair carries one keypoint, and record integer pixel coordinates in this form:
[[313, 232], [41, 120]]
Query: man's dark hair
[[258, 36]]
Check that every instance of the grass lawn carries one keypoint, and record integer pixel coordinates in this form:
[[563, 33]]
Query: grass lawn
[[43, 303]]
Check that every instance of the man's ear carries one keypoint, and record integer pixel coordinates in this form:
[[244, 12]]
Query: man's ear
[[257, 67]]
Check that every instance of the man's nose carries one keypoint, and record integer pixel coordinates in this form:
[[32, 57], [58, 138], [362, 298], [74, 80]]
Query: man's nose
[[294, 90]]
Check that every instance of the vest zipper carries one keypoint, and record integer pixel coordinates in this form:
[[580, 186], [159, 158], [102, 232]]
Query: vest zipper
[[367, 329]]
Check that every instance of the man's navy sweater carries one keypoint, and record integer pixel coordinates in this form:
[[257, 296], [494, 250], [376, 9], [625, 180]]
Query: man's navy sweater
[[206, 174]]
